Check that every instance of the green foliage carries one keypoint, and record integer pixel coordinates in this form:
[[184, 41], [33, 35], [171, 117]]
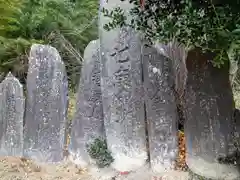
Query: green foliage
[[13, 56], [63, 24], [98, 151], [40, 19], [211, 26], [9, 10]]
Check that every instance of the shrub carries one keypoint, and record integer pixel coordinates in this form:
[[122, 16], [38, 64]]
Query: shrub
[[99, 152]]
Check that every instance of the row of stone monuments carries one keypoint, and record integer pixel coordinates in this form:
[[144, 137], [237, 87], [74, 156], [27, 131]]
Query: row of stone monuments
[[137, 94], [34, 127], [132, 85]]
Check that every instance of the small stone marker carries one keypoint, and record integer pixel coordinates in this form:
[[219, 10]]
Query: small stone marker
[[123, 98], [11, 117]]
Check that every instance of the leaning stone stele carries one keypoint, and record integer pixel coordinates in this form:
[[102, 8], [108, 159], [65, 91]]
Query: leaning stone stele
[[87, 124], [161, 110]]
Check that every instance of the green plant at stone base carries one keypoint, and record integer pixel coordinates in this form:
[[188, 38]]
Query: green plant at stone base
[[210, 26], [99, 152]]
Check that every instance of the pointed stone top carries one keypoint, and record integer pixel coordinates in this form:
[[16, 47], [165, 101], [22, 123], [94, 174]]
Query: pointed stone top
[[11, 78], [10, 75]]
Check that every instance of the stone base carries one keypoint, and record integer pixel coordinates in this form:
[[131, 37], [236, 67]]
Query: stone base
[[212, 170], [162, 168], [122, 162], [78, 160], [171, 175], [143, 173], [41, 156]]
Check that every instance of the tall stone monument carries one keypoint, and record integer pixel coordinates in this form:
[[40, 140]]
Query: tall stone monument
[[209, 109], [123, 98], [46, 105], [161, 110], [88, 120]]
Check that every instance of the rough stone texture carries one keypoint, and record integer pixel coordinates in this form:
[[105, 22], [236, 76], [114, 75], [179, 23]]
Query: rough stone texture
[[161, 110], [177, 53], [123, 98], [46, 105], [11, 117], [88, 120], [66, 104], [209, 108], [237, 123]]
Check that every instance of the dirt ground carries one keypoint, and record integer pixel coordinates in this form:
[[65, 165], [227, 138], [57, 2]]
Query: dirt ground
[[12, 168]]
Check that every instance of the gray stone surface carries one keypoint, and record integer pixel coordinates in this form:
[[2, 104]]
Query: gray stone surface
[[178, 54], [161, 110], [11, 117], [46, 105], [123, 98], [88, 120], [209, 109]]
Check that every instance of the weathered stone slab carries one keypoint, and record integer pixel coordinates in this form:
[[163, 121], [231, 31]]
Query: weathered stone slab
[[11, 117], [162, 116], [209, 109], [87, 123], [123, 99], [46, 105]]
